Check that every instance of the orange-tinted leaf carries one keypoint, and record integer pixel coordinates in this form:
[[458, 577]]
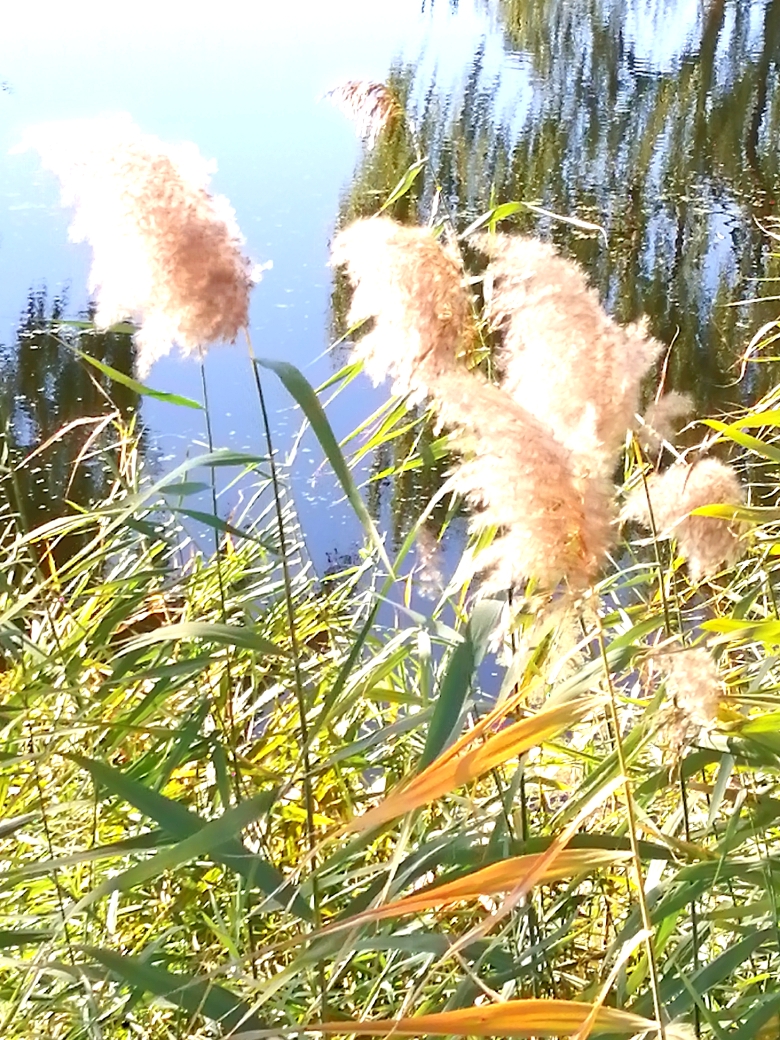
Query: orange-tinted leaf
[[454, 770], [492, 880], [511, 1018], [497, 878]]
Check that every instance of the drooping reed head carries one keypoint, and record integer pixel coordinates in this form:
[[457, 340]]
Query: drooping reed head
[[694, 689], [551, 523], [707, 543], [372, 107], [553, 518], [166, 253], [413, 289], [562, 357]]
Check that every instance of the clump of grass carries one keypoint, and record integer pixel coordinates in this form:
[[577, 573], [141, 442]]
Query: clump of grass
[[182, 858]]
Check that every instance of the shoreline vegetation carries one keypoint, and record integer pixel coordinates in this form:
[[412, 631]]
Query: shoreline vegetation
[[240, 800]]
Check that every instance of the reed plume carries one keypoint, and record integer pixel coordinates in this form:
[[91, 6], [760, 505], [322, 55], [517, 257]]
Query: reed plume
[[413, 288], [166, 253], [562, 357], [551, 523], [663, 419], [707, 543], [430, 575], [695, 689], [372, 107]]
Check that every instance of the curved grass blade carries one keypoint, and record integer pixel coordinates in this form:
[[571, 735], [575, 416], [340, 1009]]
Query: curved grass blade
[[454, 769], [492, 880], [768, 451], [180, 822], [196, 996], [405, 183], [23, 937], [302, 391], [510, 1018], [134, 385], [717, 971], [748, 514], [187, 631], [500, 877], [457, 678], [492, 217], [209, 520], [206, 840]]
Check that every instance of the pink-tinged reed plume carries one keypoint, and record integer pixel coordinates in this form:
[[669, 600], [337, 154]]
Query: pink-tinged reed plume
[[561, 356], [166, 253], [413, 289], [553, 517], [372, 107], [663, 420], [707, 543], [694, 690]]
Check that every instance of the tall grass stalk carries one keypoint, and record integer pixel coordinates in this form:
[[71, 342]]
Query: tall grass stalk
[[294, 645], [647, 924]]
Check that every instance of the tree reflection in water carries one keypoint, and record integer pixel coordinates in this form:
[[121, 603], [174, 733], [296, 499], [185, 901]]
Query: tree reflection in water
[[45, 386], [658, 120]]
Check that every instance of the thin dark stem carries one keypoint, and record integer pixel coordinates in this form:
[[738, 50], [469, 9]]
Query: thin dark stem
[[694, 912], [47, 834], [299, 692], [221, 585], [231, 724], [644, 910], [654, 531]]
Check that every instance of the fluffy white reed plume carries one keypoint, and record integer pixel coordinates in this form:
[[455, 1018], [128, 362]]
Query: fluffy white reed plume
[[413, 288], [371, 107], [166, 253], [694, 688], [551, 523], [707, 543], [663, 419], [521, 480], [562, 357]]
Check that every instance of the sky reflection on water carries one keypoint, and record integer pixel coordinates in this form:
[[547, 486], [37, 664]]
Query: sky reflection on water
[[655, 118]]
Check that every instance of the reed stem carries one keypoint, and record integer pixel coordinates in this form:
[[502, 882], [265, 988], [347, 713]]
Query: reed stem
[[298, 679]]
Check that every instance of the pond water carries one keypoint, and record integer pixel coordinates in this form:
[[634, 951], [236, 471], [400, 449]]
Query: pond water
[[656, 119]]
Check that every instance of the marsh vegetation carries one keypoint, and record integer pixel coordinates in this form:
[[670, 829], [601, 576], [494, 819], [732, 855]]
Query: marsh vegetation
[[530, 791]]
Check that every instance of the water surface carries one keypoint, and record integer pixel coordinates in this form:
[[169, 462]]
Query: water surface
[[657, 120]]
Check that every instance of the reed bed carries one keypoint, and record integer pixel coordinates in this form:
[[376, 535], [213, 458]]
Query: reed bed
[[240, 800]]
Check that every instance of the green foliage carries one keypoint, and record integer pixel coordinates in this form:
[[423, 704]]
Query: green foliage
[[158, 878]]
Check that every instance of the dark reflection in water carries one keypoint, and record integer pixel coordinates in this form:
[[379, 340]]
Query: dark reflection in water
[[658, 120], [44, 387]]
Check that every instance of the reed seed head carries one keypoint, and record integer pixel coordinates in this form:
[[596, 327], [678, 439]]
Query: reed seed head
[[663, 419], [430, 559], [562, 357], [372, 107], [414, 290], [694, 688], [166, 253], [552, 523], [707, 543]]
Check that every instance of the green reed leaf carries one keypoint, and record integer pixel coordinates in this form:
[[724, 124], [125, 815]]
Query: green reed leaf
[[182, 823], [196, 996], [134, 385], [188, 631], [302, 391], [456, 680], [405, 184]]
